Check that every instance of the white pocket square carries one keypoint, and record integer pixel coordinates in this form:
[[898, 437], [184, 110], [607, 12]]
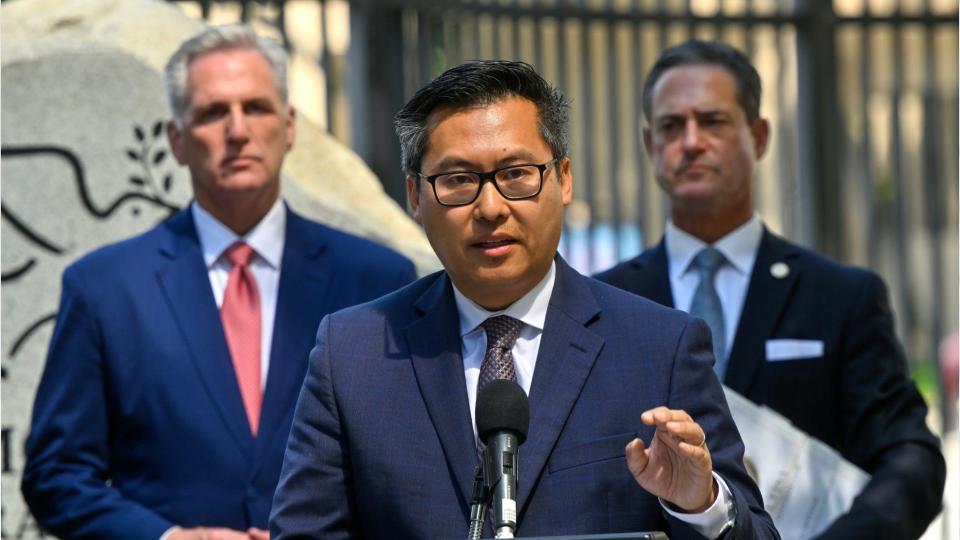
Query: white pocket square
[[793, 349]]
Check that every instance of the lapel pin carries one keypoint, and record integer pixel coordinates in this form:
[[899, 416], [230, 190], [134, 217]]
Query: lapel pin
[[779, 270]]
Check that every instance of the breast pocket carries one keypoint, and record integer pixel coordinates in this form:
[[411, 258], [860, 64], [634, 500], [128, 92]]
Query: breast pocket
[[595, 451]]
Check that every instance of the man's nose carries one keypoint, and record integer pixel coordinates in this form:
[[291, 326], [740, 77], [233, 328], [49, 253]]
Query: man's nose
[[490, 203], [237, 126], [692, 141]]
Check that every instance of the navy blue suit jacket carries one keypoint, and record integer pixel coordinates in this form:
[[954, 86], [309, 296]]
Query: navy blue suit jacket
[[138, 423], [856, 397], [382, 444]]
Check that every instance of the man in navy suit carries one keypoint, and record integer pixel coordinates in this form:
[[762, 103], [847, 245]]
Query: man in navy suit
[[169, 388], [624, 408], [795, 331]]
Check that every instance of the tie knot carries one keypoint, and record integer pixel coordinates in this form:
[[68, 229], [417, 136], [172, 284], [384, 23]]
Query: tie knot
[[239, 254], [708, 260], [502, 331]]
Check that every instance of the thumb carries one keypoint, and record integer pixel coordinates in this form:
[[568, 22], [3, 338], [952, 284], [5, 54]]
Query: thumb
[[637, 459]]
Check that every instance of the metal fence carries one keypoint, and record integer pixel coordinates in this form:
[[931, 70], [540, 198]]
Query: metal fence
[[861, 94]]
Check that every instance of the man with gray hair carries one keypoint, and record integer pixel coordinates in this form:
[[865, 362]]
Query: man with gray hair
[[177, 357]]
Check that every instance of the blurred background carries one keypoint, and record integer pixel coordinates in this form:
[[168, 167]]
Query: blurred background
[[862, 96]]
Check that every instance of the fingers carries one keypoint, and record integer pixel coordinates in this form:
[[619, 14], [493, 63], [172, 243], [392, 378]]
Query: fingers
[[220, 533], [675, 428], [258, 534], [637, 458]]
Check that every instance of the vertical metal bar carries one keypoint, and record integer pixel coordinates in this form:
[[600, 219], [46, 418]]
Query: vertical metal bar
[[785, 163], [866, 154], [613, 135], [424, 46], [282, 25], [817, 112], [586, 89], [515, 36], [561, 82], [640, 152], [478, 43], [905, 305], [934, 222], [327, 66], [376, 85], [538, 60]]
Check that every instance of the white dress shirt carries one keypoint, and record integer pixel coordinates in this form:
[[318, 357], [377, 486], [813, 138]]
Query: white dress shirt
[[739, 249], [531, 309], [266, 239]]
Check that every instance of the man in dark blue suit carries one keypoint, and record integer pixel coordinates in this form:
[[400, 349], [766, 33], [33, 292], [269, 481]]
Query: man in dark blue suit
[[624, 408], [173, 371], [793, 330]]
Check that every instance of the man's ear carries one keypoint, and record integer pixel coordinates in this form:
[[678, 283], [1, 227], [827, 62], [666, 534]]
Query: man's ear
[[566, 181], [175, 138], [413, 198], [647, 140], [760, 131], [291, 126]]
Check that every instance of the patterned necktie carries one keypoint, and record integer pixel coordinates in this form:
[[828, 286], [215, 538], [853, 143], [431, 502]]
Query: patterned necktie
[[240, 314], [706, 304], [502, 332]]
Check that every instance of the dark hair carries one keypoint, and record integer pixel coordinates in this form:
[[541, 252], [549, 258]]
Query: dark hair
[[476, 84], [695, 52]]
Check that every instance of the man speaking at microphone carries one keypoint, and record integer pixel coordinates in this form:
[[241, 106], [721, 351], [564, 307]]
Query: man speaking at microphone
[[629, 430]]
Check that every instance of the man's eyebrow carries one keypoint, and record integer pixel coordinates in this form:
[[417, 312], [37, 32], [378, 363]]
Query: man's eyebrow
[[463, 164], [696, 114]]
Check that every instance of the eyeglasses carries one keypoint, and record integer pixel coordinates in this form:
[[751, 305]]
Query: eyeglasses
[[458, 188]]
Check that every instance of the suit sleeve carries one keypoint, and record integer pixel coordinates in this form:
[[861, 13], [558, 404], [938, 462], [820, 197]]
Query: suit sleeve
[[695, 388], [314, 496], [67, 471], [885, 430]]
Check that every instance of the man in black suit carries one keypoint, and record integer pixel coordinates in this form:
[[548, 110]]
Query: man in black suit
[[792, 330]]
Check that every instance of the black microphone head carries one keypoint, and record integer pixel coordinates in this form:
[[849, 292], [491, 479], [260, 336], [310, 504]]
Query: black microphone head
[[502, 406]]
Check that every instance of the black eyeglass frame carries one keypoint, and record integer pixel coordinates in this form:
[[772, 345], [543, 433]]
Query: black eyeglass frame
[[491, 177]]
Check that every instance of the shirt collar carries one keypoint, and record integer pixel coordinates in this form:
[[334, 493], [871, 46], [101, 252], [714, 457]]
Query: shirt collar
[[266, 237], [531, 308], [739, 247]]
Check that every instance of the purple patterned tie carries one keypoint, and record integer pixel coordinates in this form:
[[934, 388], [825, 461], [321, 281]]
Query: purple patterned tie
[[502, 332]]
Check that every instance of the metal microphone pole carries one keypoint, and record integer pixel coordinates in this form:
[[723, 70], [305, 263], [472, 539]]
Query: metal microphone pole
[[478, 505]]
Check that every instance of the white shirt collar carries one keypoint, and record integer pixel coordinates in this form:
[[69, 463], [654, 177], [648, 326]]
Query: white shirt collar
[[215, 237], [531, 308], [739, 246]]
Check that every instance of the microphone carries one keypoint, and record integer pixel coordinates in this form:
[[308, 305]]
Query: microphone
[[503, 416]]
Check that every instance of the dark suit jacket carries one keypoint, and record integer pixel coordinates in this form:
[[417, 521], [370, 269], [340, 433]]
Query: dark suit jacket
[[138, 423], [382, 445], [857, 398]]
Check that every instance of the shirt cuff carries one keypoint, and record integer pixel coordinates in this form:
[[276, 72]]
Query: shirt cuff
[[714, 520], [168, 532]]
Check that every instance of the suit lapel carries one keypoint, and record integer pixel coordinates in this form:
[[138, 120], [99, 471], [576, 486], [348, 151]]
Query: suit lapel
[[434, 343], [187, 288], [301, 294], [767, 296], [568, 350], [650, 277]]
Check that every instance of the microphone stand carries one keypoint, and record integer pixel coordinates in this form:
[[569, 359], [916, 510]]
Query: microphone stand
[[478, 505]]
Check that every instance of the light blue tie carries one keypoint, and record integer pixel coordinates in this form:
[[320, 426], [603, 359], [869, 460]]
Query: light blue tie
[[706, 304]]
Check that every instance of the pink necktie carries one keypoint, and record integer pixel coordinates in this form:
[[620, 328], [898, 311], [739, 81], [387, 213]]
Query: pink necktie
[[240, 313]]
